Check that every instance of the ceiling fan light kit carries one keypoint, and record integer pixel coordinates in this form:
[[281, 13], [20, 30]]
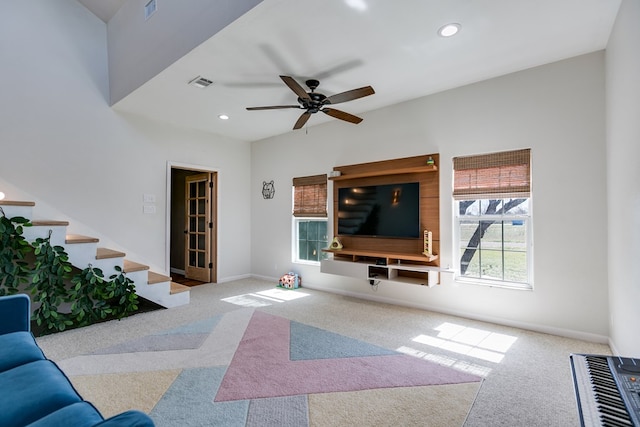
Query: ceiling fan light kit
[[313, 101]]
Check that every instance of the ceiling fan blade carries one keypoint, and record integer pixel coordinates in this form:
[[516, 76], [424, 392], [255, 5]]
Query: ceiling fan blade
[[294, 86], [342, 115], [273, 107], [350, 95], [302, 120]]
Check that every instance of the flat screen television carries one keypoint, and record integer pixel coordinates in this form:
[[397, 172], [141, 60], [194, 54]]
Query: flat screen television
[[389, 210]]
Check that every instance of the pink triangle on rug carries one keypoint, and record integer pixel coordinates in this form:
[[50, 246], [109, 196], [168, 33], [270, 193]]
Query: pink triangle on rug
[[261, 368]]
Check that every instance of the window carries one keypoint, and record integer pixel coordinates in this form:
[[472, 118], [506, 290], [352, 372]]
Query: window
[[310, 218], [492, 195]]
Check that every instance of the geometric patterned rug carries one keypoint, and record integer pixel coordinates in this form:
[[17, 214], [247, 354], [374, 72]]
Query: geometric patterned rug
[[250, 368]]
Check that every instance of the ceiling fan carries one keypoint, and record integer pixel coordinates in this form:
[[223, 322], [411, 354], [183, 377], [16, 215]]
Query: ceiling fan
[[314, 101]]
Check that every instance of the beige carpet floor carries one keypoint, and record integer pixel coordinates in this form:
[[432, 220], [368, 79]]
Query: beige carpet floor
[[526, 375]]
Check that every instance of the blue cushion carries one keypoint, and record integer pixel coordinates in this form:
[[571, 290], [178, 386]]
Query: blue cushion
[[128, 419], [81, 414], [33, 391], [15, 313], [18, 348]]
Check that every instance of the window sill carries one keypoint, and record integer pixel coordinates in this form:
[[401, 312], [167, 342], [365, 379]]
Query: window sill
[[306, 262], [495, 284]]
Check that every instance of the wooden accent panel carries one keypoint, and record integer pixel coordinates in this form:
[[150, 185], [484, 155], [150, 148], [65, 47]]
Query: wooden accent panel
[[396, 171]]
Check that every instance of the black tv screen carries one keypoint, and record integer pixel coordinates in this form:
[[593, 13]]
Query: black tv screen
[[390, 210]]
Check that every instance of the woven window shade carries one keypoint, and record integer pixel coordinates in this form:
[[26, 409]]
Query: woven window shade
[[492, 176], [310, 196]]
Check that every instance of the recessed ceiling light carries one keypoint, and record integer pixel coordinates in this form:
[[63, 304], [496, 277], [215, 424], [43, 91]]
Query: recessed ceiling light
[[449, 30], [360, 5], [223, 117]]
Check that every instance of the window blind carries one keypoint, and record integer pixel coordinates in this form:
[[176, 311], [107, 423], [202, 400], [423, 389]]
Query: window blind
[[310, 196], [492, 176]]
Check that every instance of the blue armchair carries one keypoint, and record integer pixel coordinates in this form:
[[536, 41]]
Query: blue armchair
[[34, 392]]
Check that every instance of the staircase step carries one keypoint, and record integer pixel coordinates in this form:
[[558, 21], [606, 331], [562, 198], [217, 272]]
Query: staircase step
[[15, 203], [155, 278], [77, 238], [176, 288], [104, 253], [49, 223], [130, 266]]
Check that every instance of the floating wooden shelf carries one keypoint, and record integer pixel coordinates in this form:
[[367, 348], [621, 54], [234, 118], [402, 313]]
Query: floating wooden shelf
[[390, 257], [399, 171]]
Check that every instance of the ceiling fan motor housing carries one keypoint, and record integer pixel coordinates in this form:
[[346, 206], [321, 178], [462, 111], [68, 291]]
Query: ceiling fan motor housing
[[314, 103]]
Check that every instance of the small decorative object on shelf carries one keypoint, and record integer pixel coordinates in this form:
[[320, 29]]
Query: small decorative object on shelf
[[268, 189], [430, 161], [335, 244], [427, 243]]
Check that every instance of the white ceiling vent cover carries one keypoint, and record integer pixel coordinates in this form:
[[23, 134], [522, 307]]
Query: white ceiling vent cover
[[200, 82], [150, 8]]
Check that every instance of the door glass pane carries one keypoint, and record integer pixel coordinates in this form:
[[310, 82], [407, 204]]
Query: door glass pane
[[201, 224], [201, 188], [201, 259], [192, 259], [192, 224], [192, 207], [201, 207], [192, 189], [201, 242]]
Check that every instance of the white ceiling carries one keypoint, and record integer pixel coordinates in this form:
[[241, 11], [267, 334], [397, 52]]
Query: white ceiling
[[346, 44]]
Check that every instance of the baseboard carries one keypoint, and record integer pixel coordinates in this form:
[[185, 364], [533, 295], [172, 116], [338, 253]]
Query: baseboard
[[232, 278], [567, 333], [177, 271]]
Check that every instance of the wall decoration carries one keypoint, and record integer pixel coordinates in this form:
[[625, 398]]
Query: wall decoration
[[268, 189]]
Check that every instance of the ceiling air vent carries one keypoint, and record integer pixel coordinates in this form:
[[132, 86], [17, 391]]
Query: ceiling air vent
[[150, 8], [200, 82]]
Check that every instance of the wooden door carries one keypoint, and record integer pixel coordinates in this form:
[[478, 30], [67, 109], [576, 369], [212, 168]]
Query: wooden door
[[199, 227]]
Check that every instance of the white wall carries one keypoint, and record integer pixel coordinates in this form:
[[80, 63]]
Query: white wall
[[139, 49], [623, 154], [557, 110], [62, 146]]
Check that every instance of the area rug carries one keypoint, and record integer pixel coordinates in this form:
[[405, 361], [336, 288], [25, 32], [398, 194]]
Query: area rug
[[250, 368]]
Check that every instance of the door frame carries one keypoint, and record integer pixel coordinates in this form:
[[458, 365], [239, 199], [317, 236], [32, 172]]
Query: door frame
[[214, 201]]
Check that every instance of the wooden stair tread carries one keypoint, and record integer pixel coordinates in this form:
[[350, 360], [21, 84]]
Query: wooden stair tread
[[15, 203], [130, 266], [49, 223], [176, 288], [104, 253], [157, 278], [77, 238]]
